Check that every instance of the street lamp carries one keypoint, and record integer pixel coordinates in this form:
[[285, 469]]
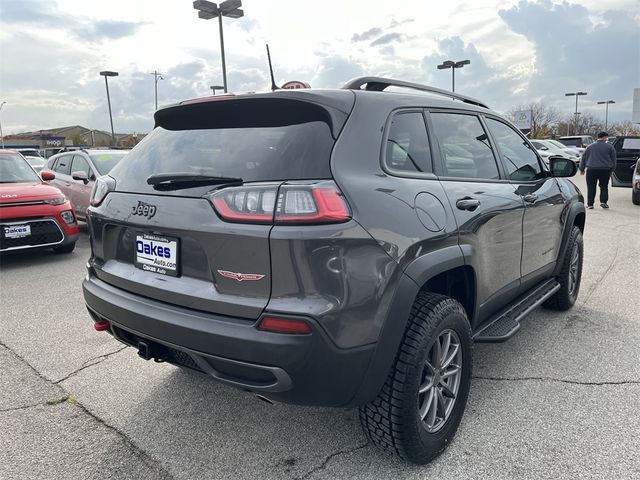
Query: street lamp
[[105, 74], [216, 87], [576, 94], [606, 114], [453, 65], [1, 135], [208, 10], [156, 76]]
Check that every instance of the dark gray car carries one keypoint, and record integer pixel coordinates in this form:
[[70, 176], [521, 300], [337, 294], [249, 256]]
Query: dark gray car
[[334, 247]]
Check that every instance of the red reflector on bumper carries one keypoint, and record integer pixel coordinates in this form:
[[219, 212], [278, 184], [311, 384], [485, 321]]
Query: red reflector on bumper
[[284, 325], [101, 326]]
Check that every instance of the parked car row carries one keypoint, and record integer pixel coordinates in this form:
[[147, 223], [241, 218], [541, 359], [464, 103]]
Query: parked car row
[[549, 148], [33, 214], [41, 211]]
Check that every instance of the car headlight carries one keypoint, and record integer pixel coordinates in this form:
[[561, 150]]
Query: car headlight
[[56, 201], [68, 217], [101, 189]]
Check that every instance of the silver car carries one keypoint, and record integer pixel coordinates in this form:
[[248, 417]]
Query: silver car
[[77, 171]]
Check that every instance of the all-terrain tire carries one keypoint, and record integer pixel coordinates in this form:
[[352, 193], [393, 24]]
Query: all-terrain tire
[[392, 420], [68, 248], [565, 298]]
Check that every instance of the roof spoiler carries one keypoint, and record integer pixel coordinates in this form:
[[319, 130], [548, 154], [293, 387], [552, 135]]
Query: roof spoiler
[[379, 84]]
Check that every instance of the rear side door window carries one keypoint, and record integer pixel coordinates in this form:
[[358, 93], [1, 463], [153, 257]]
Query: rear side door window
[[63, 165], [407, 145], [520, 160], [464, 145]]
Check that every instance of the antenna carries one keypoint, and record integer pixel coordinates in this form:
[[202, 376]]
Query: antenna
[[273, 82]]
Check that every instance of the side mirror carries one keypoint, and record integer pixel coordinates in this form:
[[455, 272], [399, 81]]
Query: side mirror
[[544, 148], [80, 175], [562, 167], [47, 176]]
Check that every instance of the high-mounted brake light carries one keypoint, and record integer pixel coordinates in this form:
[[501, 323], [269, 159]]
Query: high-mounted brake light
[[289, 204], [284, 325]]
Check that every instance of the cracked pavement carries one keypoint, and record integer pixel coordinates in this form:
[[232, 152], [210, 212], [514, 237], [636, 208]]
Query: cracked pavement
[[559, 400]]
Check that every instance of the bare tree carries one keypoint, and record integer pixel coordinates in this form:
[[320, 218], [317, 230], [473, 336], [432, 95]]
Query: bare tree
[[543, 118], [625, 128], [585, 124]]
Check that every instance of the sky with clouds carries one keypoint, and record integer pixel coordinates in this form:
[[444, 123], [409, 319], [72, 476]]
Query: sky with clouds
[[520, 51]]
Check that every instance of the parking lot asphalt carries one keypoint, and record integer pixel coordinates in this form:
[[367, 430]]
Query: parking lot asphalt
[[559, 400]]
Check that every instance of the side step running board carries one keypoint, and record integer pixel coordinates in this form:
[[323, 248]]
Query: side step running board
[[504, 325]]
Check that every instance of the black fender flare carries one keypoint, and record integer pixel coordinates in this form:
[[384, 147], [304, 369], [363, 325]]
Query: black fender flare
[[416, 274], [574, 210]]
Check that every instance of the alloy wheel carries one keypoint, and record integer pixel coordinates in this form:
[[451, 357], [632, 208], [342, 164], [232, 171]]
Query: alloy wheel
[[440, 381]]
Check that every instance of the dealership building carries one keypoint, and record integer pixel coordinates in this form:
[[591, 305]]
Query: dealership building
[[74, 136]]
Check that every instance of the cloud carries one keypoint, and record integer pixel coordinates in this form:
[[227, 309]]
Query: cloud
[[46, 14], [334, 71], [395, 23], [368, 35], [30, 11], [573, 52], [388, 38], [107, 30]]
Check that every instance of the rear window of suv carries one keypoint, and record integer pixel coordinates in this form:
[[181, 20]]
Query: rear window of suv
[[266, 146]]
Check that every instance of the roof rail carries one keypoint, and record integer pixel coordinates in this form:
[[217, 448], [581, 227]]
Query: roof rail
[[378, 84]]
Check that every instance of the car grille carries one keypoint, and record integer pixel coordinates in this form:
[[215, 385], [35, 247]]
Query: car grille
[[43, 232]]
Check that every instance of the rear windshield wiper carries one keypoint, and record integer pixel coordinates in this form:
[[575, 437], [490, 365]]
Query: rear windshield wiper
[[178, 181]]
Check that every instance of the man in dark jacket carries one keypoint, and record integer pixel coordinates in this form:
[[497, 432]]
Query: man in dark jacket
[[599, 159]]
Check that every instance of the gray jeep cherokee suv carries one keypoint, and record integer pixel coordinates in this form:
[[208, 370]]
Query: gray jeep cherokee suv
[[334, 247]]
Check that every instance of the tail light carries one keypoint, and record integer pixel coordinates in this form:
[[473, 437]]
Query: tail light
[[288, 204]]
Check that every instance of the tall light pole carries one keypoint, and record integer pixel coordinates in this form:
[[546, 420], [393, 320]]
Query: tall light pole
[[453, 65], [1, 135], [216, 87], [156, 76], [105, 74], [208, 10], [576, 94], [606, 112]]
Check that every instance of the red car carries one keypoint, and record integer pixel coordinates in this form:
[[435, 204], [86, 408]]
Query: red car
[[33, 214]]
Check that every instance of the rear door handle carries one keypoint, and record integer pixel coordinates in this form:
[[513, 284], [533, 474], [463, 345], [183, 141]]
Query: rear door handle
[[530, 198], [468, 204]]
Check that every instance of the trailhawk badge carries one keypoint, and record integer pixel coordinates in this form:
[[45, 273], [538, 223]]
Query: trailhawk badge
[[240, 276]]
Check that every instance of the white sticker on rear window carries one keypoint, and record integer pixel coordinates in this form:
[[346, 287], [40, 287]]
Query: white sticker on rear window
[[631, 144]]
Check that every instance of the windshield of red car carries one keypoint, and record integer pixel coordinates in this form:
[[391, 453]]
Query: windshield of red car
[[15, 169]]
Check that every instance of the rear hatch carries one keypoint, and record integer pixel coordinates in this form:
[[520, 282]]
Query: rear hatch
[[167, 241], [627, 152]]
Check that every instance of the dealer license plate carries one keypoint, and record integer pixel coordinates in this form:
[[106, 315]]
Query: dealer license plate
[[17, 231], [157, 254]]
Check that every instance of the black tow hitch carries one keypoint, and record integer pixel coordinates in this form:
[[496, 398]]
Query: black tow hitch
[[148, 350]]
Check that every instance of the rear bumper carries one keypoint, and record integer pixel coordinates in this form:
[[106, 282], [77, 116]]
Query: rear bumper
[[300, 369]]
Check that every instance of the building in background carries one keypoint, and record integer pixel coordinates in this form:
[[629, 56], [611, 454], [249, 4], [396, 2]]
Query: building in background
[[53, 140]]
